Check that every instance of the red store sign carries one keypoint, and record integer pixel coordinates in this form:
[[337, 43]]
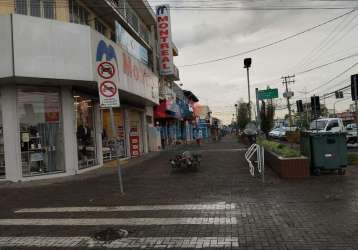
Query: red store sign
[[165, 40]]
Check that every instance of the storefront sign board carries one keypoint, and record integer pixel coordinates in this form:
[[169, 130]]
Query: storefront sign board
[[165, 40], [134, 145], [128, 43]]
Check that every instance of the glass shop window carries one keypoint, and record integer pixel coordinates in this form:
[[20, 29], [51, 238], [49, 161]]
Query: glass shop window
[[41, 131]]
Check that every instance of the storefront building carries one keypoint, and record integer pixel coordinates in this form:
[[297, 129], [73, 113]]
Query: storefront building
[[51, 122], [175, 116]]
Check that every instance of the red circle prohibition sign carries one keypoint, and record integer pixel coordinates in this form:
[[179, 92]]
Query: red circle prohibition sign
[[108, 89], [106, 70]]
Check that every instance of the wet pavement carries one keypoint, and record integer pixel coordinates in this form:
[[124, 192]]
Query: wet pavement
[[218, 207]]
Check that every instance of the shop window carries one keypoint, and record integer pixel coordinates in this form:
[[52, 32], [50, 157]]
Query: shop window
[[100, 27], [86, 133], [78, 14], [41, 131], [108, 139], [2, 153], [38, 8]]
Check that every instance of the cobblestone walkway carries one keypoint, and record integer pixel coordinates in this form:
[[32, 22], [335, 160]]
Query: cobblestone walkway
[[219, 207]]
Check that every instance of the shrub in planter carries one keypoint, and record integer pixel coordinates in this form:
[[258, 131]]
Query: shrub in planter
[[285, 161]]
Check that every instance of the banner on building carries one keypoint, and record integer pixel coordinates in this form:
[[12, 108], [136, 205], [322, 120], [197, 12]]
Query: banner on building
[[165, 40], [128, 43]]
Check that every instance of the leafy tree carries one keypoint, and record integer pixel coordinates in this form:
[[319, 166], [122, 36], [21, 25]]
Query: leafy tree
[[267, 114], [243, 115]]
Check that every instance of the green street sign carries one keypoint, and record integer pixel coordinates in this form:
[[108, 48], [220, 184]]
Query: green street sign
[[267, 94]]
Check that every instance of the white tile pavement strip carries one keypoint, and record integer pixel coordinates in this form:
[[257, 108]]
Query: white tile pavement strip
[[144, 243], [210, 206], [121, 221]]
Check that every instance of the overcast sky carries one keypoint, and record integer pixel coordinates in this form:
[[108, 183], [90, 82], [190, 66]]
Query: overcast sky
[[208, 34]]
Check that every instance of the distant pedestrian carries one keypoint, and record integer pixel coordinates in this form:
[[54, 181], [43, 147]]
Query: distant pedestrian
[[199, 136]]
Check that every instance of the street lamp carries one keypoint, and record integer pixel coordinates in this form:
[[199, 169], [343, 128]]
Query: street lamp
[[247, 65]]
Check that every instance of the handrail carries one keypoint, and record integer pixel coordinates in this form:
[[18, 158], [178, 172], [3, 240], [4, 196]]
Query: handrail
[[259, 150]]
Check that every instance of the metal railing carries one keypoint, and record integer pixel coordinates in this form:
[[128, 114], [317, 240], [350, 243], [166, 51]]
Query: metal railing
[[260, 161]]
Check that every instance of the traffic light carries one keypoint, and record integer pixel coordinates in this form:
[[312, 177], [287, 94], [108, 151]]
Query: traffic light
[[315, 105], [354, 87], [299, 105]]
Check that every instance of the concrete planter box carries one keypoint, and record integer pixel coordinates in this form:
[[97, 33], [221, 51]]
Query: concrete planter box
[[288, 167]]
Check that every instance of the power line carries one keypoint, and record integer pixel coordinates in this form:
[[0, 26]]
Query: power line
[[334, 78], [270, 44], [327, 64]]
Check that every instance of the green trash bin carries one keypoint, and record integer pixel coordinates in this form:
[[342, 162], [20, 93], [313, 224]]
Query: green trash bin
[[326, 151]]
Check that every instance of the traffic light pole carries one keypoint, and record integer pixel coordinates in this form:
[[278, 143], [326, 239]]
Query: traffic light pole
[[258, 109]]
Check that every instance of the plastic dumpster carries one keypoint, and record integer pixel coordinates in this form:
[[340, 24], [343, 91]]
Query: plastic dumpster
[[326, 151]]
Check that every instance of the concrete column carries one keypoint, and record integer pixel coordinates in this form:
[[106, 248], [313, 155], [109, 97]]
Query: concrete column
[[144, 132], [98, 129], [155, 48], [126, 130], [69, 130], [11, 131]]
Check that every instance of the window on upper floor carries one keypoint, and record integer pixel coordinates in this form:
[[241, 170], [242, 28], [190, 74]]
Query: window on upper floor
[[100, 27], [38, 8], [132, 17], [78, 13], [144, 32]]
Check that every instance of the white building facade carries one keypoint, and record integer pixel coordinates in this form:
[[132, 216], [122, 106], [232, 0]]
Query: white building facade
[[51, 121]]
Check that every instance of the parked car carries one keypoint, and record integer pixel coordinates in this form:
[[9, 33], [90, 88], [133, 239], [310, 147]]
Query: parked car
[[351, 129], [278, 133], [327, 125], [351, 134]]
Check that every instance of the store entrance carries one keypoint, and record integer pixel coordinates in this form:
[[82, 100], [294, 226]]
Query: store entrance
[[85, 131], [108, 139]]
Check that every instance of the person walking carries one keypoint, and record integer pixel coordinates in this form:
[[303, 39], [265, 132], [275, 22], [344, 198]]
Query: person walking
[[199, 136]]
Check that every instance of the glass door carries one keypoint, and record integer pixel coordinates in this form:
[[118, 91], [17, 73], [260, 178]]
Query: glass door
[[85, 131]]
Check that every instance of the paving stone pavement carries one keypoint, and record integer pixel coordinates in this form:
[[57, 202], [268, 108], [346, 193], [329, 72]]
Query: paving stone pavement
[[219, 207]]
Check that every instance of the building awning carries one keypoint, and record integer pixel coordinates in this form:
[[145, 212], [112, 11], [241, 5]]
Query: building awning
[[165, 109], [190, 95]]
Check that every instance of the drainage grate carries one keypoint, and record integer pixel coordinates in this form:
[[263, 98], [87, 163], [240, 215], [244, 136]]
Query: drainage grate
[[110, 234]]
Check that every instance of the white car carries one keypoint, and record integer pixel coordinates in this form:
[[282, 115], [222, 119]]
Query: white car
[[278, 133], [327, 125], [351, 129]]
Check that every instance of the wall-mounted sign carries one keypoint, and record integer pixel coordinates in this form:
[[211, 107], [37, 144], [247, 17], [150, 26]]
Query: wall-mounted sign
[[128, 43], [134, 145], [165, 40]]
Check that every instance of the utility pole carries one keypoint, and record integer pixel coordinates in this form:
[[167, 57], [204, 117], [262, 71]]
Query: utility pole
[[285, 81]]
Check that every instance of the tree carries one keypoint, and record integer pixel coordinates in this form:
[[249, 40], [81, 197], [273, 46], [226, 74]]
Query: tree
[[267, 114], [243, 114]]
